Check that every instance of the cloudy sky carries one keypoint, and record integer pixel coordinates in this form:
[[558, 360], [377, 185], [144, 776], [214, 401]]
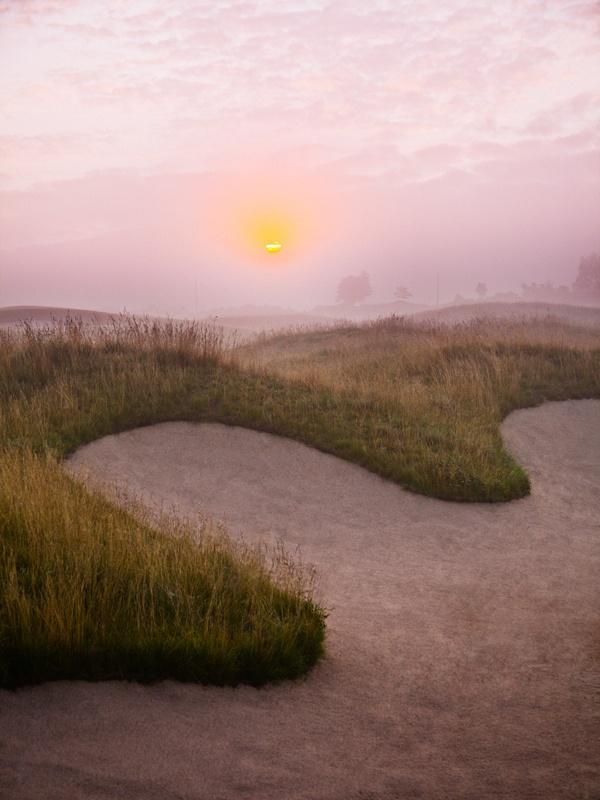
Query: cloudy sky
[[146, 147]]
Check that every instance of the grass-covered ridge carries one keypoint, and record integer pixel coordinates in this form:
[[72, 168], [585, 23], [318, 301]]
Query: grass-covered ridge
[[87, 590], [422, 403]]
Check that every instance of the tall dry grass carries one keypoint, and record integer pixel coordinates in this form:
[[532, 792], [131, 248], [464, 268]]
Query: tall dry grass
[[89, 590], [92, 591], [429, 398]]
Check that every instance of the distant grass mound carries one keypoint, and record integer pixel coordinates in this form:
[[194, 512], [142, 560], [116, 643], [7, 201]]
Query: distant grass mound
[[517, 311], [91, 591]]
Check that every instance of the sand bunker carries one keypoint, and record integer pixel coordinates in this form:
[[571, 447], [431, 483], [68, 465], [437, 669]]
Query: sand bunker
[[462, 650]]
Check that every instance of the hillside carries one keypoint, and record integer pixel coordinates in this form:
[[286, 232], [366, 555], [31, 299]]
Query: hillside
[[46, 315], [366, 311], [240, 322], [578, 315]]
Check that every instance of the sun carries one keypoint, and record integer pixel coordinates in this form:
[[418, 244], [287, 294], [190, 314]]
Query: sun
[[269, 219], [273, 247], [267, 227]]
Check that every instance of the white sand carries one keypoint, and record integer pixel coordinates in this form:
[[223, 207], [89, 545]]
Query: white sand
[[463, 645]]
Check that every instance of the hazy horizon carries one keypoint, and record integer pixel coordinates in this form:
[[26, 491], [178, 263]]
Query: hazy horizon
[[149, 153]]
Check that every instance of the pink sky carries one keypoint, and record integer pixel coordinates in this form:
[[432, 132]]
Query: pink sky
[[404, 138]]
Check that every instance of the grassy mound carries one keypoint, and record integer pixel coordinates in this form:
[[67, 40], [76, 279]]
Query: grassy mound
[[92, 591], [422, 403]]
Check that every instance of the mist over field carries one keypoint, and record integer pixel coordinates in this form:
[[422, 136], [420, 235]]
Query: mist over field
[[149, 151]]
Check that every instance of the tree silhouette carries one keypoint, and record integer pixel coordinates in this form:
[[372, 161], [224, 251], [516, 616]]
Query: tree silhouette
[[481, 290], [353, 288], [402, 293]]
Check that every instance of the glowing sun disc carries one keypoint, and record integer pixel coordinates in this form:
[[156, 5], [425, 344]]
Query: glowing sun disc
[[273, 247]]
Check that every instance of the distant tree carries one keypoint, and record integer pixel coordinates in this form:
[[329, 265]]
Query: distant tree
[[402, 293], [481, 290], [587, 282], [354, 288], [458, 300]]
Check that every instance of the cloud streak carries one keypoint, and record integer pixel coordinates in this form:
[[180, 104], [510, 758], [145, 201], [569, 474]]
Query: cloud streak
[[403, 75]]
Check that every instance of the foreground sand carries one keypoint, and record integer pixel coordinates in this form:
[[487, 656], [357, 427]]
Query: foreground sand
[[463, 645]]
